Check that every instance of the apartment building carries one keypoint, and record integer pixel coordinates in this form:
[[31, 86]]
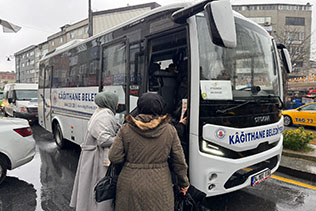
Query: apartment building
[[6, 78], [27, 60], [25, 65], [288, 21]]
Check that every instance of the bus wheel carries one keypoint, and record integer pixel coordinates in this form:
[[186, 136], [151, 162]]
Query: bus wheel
[[287, 121], [58, 135], [3, 170]]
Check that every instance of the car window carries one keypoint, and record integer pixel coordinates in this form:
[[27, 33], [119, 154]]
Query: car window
[[311, 107]]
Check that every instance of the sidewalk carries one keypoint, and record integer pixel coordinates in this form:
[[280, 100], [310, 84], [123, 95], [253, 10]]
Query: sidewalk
[[298, 164]]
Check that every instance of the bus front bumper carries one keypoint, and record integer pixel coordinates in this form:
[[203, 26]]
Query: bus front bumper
[[218, 175], [29, 116]]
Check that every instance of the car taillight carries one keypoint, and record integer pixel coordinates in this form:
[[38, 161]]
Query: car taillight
[[26, 131]]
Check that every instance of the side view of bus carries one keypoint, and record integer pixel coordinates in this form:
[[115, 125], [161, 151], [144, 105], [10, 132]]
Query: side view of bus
[[224, 66]]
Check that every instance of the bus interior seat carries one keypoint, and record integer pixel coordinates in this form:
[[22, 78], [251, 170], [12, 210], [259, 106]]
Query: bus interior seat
[[167, 87]]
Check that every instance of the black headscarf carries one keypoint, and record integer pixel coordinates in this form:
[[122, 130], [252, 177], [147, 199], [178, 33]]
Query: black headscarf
[[150, 103]]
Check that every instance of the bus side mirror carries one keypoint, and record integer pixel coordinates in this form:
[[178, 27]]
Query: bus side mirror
[[221, 23], [286, 59]]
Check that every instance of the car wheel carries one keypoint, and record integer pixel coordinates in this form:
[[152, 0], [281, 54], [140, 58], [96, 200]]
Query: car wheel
[[59, 139], [287, 121], [3, 170], [5, 114]]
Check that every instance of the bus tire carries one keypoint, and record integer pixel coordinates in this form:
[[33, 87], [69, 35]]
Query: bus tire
[[59, 138], [287, 121], [3, 169]]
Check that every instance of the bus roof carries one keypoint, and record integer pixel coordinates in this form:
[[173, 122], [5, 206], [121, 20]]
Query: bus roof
[[146, 14], [133, 20]]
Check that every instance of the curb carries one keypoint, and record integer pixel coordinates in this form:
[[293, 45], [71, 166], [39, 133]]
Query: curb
[[298, 155], [297, 173]]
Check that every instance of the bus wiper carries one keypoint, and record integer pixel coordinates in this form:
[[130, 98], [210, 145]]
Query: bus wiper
[[281, 104], [254, 89], [232, 108]]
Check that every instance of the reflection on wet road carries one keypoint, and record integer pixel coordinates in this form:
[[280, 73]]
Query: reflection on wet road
[[46, 184], [49, 176]]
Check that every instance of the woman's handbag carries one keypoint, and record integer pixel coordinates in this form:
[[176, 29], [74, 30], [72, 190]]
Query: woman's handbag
[[106, 187]]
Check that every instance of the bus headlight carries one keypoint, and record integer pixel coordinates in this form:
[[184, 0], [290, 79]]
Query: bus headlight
[[209, 148]]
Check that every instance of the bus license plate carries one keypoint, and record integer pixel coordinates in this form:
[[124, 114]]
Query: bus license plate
[[260, 177]]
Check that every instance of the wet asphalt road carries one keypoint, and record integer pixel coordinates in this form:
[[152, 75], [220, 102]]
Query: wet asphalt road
[[46, 184]]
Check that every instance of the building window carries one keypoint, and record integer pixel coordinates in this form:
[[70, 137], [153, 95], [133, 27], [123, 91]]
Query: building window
[[80, 31], [299, 64], [53, 43], [261, 20], [296, 21], [61, 40], [295, 36], [72, 35], [295, 7]]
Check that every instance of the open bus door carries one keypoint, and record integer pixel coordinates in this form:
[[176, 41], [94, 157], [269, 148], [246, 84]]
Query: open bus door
[[44, 96]]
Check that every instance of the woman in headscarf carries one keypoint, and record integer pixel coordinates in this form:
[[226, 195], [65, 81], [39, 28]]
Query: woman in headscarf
[[93, 161], [144, 144]]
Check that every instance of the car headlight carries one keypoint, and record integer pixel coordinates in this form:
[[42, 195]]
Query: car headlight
[[209, 148]]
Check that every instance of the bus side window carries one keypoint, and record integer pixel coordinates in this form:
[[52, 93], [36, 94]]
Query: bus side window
[[114, 74]]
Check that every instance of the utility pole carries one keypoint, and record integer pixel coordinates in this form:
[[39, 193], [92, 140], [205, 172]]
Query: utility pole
[[90, 21]]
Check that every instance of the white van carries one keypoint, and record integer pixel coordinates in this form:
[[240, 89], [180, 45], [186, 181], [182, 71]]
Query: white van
[[20, 100]]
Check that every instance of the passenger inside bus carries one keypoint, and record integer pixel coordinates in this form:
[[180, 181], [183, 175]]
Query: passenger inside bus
[[168, 76]]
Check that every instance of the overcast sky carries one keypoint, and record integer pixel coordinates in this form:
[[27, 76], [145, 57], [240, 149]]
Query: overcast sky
[[41, 18]]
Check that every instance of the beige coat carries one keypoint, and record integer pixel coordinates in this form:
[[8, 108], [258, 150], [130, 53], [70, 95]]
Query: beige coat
[[100, 135], [144, 145]]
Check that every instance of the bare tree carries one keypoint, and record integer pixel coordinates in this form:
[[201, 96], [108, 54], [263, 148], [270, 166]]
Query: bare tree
[[296, 42]]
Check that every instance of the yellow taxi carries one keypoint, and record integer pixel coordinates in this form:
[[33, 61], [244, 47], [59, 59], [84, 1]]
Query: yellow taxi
[[304, 115]]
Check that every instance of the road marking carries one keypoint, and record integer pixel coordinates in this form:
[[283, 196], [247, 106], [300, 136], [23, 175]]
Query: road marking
[[293, 182]]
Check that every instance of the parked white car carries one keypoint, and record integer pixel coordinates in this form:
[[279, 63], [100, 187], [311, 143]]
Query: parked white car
[[17, 145]]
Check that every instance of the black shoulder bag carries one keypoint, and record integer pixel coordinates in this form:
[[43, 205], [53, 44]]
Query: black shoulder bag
[[106, 187]]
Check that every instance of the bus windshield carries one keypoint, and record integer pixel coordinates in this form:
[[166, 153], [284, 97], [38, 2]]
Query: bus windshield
[[26, 94], [251, 67]]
